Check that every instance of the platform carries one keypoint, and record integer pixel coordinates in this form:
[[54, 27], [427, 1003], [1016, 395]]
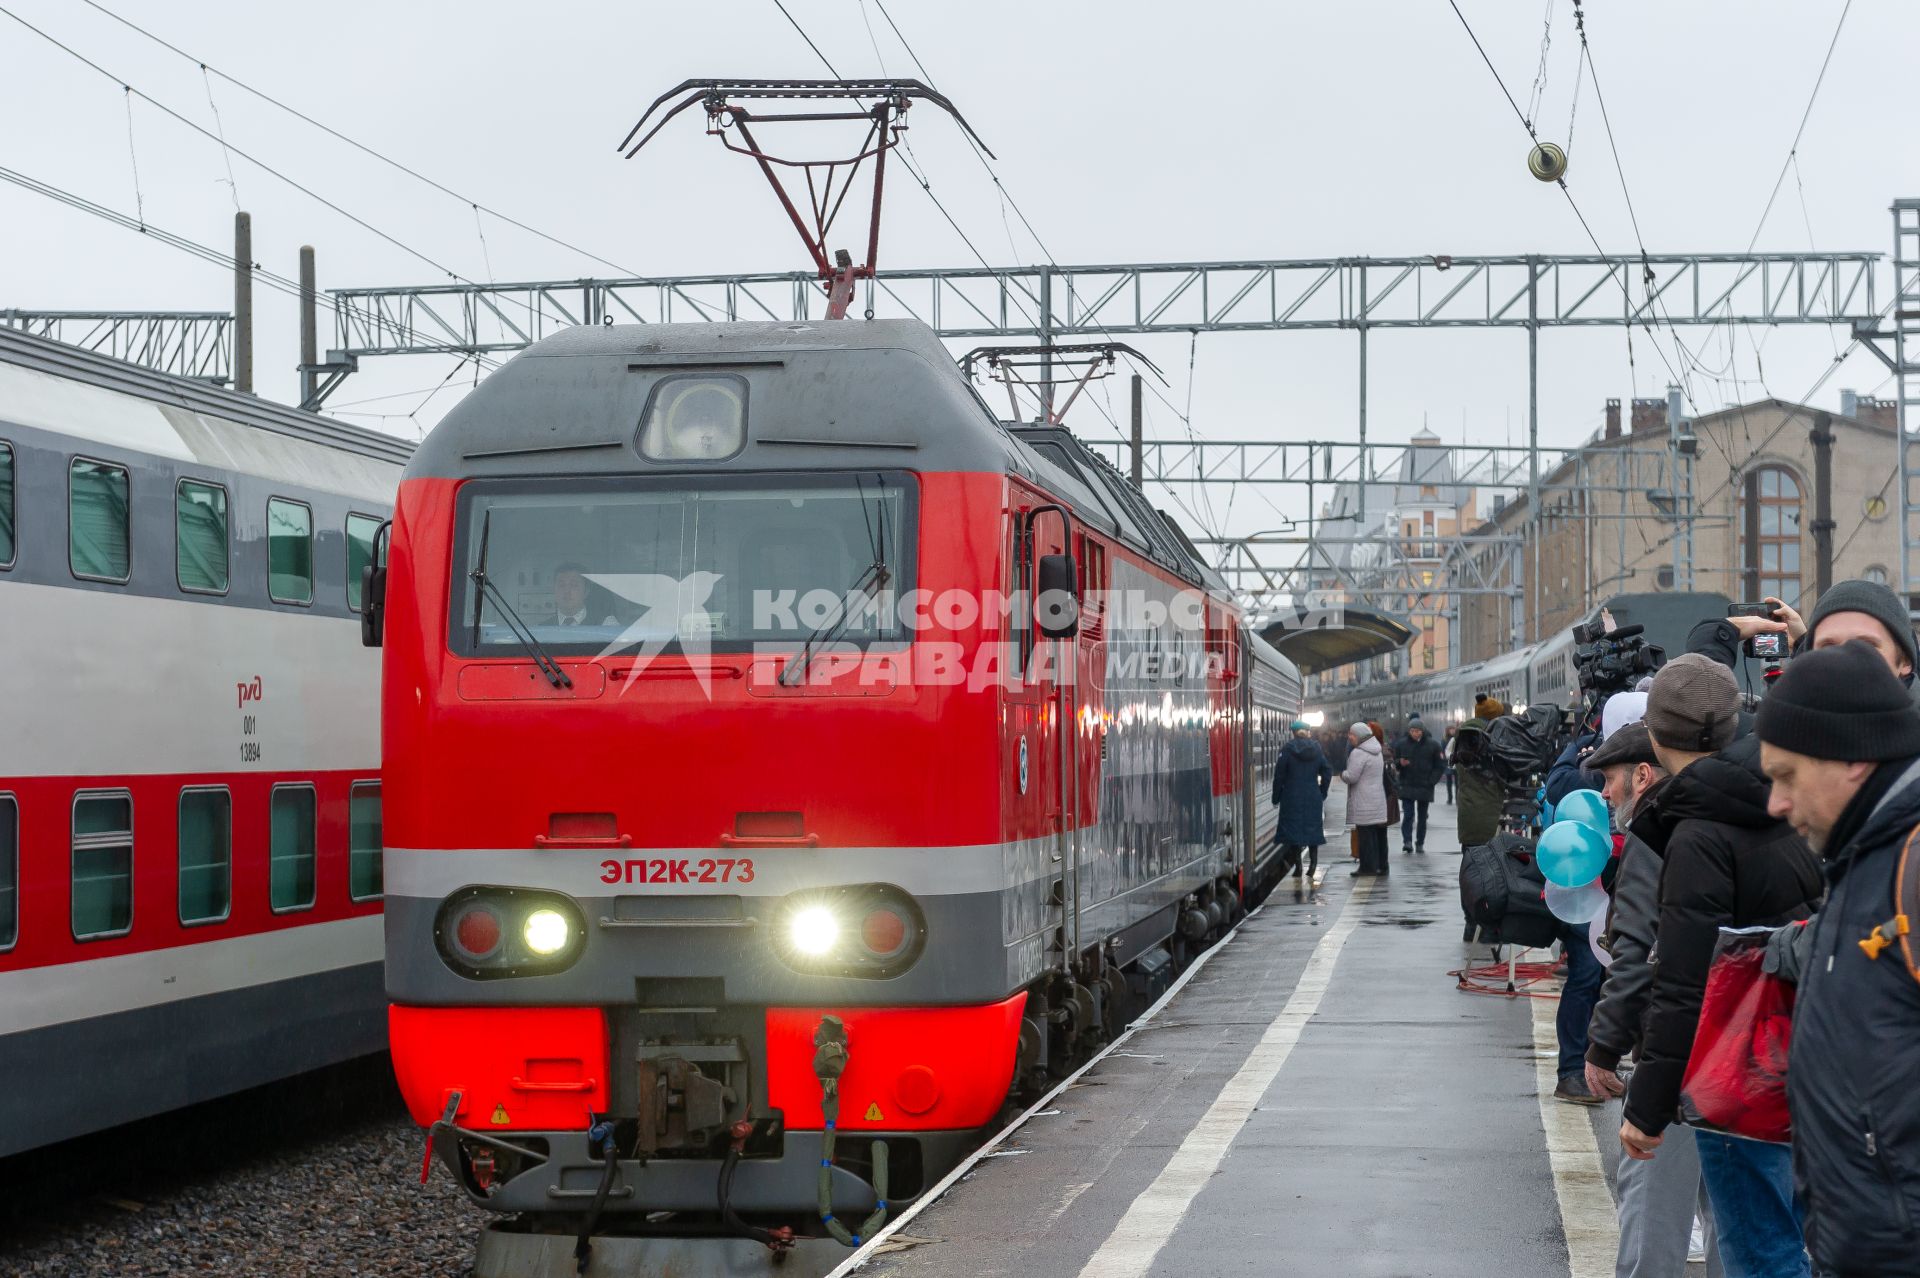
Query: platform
[[1319, 1099]]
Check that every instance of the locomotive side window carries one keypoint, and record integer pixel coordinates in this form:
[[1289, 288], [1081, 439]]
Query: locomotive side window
[[206, 855], [289, 551], [726, 560], [200, 537], [98, 545], [102, 865], [364, 841], [6, 505], [290, 855], [9, 871], [360, 532]]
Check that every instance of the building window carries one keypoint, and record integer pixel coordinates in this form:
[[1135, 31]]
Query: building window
[[1876, 574], [200, 536], [206, 855], [9, 871], [364, 842], [1663, 577], [289, 551], [102, 865], [6, 505], [360, 531], [1771, 535], [291, 854], [98, 548]]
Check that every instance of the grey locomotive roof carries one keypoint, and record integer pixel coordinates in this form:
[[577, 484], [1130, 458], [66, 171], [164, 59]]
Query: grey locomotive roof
[[852, 394], [75, 363]]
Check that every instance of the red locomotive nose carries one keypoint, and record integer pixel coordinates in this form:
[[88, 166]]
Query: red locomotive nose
[[478, 932]]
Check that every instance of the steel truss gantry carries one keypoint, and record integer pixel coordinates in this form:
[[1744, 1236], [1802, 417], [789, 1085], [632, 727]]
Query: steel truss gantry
[[185, 343], [1520, 292]]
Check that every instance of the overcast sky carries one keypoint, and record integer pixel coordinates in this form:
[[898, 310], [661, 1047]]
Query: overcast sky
[[1126, 131]]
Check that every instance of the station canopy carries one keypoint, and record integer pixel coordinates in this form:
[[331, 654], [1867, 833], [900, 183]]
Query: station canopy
[[1363, 633]]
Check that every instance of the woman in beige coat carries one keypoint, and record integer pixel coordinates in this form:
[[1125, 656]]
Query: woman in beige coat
[[1367, 798]]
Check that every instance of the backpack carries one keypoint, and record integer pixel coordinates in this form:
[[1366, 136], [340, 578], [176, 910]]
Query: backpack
[[1898, 930], [1501, 891]]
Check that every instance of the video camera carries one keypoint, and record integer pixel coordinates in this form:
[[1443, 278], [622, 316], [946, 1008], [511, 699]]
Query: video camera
[[1610, 661]]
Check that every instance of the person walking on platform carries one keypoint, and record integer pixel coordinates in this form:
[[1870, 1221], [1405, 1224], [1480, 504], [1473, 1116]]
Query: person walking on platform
[[1446, 753], [1300, 784], [1840, 738], [1481, 794], [1420, 764], [1728, 862], [1660, 1197], [1367, 798]]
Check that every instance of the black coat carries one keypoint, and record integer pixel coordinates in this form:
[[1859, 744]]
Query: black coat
[[1420, 765], [1300, 790], [1614, 1032], [1726, 863], [1853, 1075]]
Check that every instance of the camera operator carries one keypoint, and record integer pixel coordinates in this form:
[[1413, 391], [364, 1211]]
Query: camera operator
[[1852, 609]]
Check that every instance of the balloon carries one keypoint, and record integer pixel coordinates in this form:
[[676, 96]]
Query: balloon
[[1588, 808], [1596, 930], [1572, 853], [1580, 904]]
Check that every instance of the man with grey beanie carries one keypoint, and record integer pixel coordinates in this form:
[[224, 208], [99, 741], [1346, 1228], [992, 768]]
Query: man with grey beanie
[[1726, 862], [1840, 739]]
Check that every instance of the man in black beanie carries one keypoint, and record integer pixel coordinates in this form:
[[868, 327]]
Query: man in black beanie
[[1840, 739]]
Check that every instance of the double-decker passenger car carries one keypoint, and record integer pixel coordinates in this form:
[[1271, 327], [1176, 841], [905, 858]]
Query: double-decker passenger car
[[189, 769], [770, 734]]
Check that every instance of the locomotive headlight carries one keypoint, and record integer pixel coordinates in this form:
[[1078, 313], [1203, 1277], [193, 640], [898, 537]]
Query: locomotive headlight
[[696, 419], [813, 931], [546, 932]]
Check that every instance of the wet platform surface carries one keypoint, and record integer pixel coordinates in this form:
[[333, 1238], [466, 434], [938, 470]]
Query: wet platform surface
[[1319, 1099]]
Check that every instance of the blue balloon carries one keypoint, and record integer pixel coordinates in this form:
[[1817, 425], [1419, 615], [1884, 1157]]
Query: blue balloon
[[1588, 808], [1572, 853]]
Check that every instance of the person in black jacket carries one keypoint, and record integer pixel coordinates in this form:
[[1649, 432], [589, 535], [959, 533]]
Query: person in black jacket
[[1300, 782], [1659, 1198], [1420, 762], [1841, 740], [1727, 862]]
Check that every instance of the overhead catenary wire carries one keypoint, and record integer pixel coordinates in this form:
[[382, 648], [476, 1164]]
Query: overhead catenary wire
[[356, 144]]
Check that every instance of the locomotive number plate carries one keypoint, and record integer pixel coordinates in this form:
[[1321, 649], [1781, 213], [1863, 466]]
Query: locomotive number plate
[[724, 869]]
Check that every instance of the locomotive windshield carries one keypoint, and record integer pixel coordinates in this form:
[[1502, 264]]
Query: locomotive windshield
[[727, 561]]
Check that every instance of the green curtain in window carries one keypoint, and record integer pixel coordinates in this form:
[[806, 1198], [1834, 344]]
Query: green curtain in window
[[289, 551], [97, 543], [206, 855], [200, 527], [102, 865], [363, 861], [290, 871]]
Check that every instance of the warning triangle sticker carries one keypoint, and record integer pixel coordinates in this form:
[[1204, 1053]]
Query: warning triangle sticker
[[500, 1118], [873, 1112]]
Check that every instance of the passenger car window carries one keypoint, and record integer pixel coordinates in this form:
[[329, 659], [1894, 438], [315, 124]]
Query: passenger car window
[[291, 855], [9, 871], [6, 505], [289, 551], [364, 842], [98, 546], [102, 865], [200, 536], [360, 531], [206, 855]]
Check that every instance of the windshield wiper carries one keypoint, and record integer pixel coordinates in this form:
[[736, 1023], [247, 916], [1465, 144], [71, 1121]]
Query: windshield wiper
[[869, 583], [521, 631]]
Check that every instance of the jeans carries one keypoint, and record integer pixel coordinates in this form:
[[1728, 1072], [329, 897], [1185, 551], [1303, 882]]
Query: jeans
[[1751, 1185], [1577, 999], [1449, 785], [1658, 1199], [1408, 807]]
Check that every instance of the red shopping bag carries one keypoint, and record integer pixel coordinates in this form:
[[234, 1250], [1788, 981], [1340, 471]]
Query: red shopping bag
[[1736, 1079]]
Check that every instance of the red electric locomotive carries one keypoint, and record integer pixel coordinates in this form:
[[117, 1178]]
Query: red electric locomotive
[[784, 761]]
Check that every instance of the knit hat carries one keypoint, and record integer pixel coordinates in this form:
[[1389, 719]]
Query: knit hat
[[1694, 704], [1877, 601], [1488, 708], [1360, 730], [1841, 703], [1413, 718], [1621, 709], [1631, 743], [1299, 725]]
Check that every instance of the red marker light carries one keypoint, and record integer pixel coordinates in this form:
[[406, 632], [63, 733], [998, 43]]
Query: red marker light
[[884, 932], [477, 932]]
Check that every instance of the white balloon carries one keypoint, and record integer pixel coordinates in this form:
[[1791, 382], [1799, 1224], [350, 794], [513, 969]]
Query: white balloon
[[1577, 904], [1596, 930]]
